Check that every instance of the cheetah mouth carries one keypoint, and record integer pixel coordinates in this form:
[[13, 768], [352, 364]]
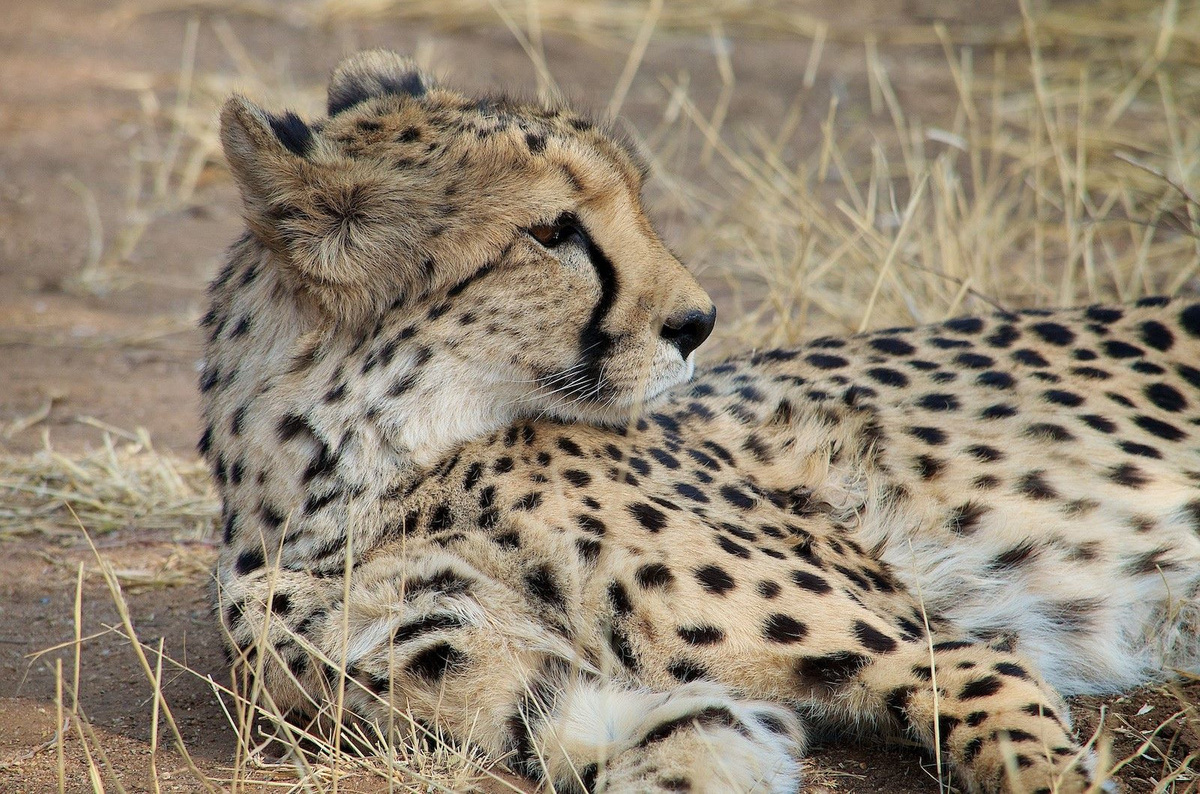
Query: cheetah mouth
[[603, 402]]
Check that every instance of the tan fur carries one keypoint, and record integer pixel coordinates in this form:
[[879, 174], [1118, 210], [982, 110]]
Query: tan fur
[[618, 582]]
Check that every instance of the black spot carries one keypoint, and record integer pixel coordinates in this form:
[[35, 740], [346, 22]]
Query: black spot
[[291, 426], [1003, 336], [897, 703], [618, 596], [1141, 450], [703, 459], [691, 492], [1104, 314], [1091, 373], [737, 497], [768, 589], [1128, 475], [648, 516], [810, 581], [1190, 374], [406, 632], [665, 458], [685, 670], [872, 638], [1157, 427], [1062, 397], [510, 541], [590, 523], [700, 635], [1157, 335], [985, 454], [1030, 358], [974, 360], [271, 517], [471, 478], [436, 661], [981, 688], [1021, 554], [833, 669], [964, 325], [946, 726], [1190, 319], [736, 549], [930, 435], [530, 501], [1166, 397], [719, 451], [928, 467], [1119, 399], [938, 402], [445, 581], [1012, 670], [888, 377], [281, 603], [1035, 486], [995, 379], [535, 142], [1049, 432], [964, 518], [570, 447], [892, 346], [247, 561], [783, 628], [1054, 333], [542, 585], [822, 361], [1097, 422], [654, 574], [715, 579], [1116, 349]]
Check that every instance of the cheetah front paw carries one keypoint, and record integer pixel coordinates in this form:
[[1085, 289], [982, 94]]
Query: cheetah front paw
[[700, 739]]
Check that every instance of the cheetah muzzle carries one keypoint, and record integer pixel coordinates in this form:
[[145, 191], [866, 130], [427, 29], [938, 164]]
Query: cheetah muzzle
[[464, 480]]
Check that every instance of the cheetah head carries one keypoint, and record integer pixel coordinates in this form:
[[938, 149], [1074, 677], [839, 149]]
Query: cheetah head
[[494, 252]]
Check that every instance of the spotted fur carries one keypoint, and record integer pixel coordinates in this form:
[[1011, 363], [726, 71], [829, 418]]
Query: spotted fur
[[448, 363]]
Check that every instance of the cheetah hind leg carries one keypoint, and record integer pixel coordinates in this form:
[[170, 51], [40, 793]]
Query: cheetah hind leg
[[996, 723]]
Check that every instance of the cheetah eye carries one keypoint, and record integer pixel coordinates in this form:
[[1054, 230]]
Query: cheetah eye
[[552, 235]]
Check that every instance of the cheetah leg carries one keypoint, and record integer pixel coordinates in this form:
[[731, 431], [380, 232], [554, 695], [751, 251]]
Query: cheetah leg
[[428, 639], [998, 726]]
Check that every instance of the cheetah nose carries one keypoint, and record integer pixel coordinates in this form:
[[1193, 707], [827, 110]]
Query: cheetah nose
[[689, 330]]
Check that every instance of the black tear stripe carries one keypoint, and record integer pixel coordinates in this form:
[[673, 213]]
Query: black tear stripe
[[594, 341]]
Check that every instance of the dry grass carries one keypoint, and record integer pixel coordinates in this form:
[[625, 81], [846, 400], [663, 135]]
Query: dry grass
[[1067, 172]]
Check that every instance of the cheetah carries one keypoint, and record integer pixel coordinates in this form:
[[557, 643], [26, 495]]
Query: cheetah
[[469, 475]]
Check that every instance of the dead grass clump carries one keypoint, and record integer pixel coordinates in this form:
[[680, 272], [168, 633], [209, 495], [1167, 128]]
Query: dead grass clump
[[1067, 173], [125, 484]]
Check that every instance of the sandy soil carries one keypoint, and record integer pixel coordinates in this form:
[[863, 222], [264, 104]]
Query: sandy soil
[[126, 353]]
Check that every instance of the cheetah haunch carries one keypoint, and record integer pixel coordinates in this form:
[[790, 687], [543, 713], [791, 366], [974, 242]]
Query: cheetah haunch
[[462, 477]]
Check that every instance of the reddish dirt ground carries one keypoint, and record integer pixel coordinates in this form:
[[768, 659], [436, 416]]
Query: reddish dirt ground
[[127, 355]]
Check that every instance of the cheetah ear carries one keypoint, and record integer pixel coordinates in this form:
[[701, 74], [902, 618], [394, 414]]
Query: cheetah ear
[[371, 74], [268, 157], [340, 230]]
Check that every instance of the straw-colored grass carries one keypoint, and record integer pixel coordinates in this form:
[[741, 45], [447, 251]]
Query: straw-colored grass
[[1067, 171]]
